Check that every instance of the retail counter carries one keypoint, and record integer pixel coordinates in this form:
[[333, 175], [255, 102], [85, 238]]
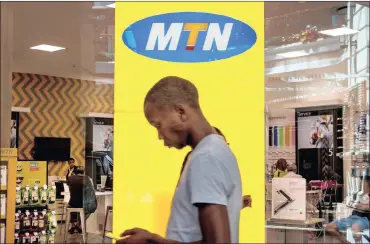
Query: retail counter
[[95, 223]]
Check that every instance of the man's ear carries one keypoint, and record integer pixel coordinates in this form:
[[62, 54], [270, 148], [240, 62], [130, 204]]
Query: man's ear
[[181, 111]]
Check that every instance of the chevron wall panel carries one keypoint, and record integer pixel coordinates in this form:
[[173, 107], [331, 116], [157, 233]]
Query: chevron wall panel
[[56, 104]]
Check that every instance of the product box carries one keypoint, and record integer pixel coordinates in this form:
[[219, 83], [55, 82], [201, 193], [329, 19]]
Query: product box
[[3, 206], [3, 177], [2, 233]]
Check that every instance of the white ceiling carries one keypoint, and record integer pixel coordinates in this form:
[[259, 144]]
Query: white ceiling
[[66, 24], [73, 25]]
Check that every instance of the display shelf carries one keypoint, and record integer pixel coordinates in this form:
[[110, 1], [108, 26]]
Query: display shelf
[[31, 207]]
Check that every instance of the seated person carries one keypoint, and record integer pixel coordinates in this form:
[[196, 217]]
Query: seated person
[[358, 221], [292, 172], [281, 168], [82, 194]]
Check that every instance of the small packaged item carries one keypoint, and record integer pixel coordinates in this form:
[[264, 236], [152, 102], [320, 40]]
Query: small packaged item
[[42, 237], [2, 232], [26, 238], [26, 195], [17, 225], [52, 221], [51, 239], [18, 196], [35, 195], [34, 238], [3, 205], [43, 194], [35, 220], [41, 220], [16, 239], [27, 221], [52, 194]]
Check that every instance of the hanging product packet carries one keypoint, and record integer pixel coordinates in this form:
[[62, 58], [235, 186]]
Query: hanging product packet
[[26, 196], [18, 196], [43, 193]]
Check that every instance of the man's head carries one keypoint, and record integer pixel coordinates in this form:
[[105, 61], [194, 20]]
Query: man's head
[[71, 162], [171, 106], [281, 164], [80, 170], [292, 168]]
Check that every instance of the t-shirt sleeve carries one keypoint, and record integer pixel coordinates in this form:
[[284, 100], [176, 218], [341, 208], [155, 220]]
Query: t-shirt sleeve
[[209, 182]]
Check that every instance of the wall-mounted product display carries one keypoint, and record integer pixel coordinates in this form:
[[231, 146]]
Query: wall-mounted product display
[[32, 173], [35, 226], [8, 165], [35, 196], [289, 199], [3, 176], [103, 135]]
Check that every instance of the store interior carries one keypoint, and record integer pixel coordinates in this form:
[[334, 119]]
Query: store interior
[[62, 105]]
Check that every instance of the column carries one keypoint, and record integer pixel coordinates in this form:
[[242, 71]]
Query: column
[[6, 72]]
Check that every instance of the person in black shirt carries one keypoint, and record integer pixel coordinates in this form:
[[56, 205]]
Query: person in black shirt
[[72, 168], [358, 221]]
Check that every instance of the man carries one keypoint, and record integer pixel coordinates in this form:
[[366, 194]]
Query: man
[[72, 168], [82, 195], [358, 221], [292, 172], [207, 202], [247, 199]]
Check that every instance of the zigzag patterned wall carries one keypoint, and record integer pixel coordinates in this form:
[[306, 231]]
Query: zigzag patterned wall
[[56, 104]]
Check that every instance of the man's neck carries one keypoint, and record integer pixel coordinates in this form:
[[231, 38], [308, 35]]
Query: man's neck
[[200, 130]]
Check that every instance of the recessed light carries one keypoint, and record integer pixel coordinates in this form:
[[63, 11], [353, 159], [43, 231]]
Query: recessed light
[[112, 5], [293, 54], [47, 48], [338, 31]]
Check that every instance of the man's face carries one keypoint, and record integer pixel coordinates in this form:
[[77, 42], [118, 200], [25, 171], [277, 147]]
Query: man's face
[[71, 163], [171, 124]]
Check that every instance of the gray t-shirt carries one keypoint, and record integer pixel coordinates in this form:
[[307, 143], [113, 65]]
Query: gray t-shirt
[[210, 176]]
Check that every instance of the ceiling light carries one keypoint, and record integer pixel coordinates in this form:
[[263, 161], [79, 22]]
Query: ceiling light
[[293, 54], [47, 48], [339, 31], [112, 5]]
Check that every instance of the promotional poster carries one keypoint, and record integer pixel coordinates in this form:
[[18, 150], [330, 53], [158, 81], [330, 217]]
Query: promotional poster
[[31, 173], [289, 199], [102, 136], [219, 47]]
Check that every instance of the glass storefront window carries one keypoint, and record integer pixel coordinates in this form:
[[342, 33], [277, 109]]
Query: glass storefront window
[[317, 121]]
